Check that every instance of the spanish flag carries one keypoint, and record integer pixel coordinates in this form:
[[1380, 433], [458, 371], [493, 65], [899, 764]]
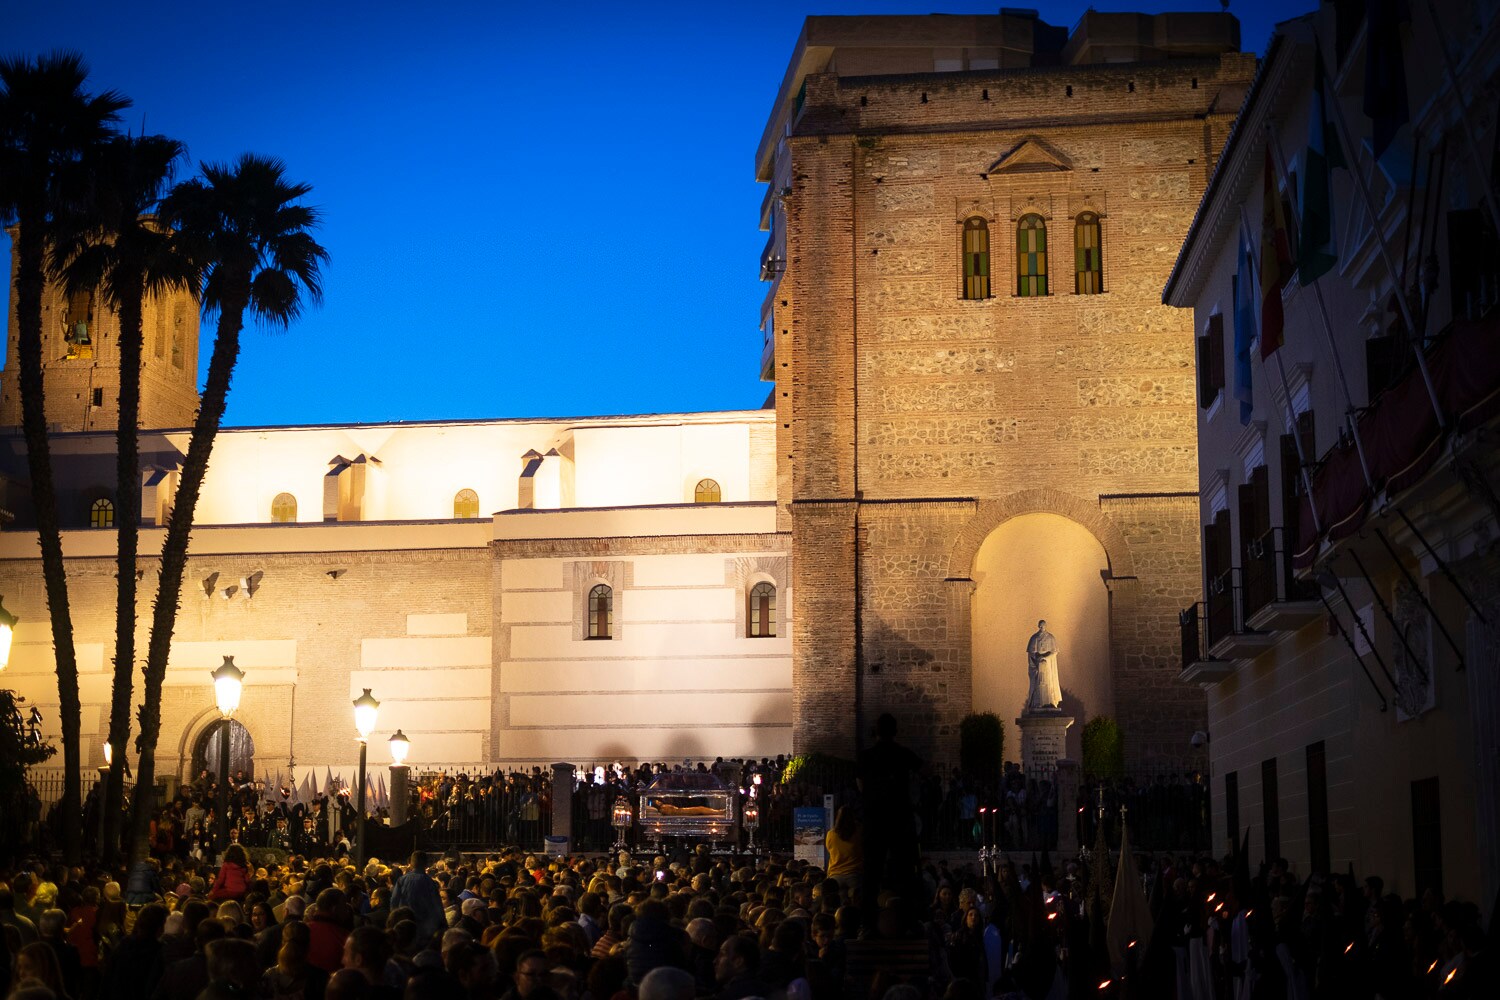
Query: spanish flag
[[1275, 261]]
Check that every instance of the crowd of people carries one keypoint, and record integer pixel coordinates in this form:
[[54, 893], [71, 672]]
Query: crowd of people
[[873, 920]]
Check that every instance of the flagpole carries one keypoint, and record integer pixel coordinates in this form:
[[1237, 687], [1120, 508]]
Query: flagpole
[[1475, 157], [1288, 415], [1380, 242], [1278, 158]]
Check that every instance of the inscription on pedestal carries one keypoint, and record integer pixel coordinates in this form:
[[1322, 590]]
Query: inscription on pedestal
[[1044, 740]]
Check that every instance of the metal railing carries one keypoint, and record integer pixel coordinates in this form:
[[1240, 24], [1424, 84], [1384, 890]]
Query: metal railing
[[1269, 574], [1223, 593], [1190, 621]]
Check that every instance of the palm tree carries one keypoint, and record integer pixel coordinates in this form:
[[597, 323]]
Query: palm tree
[[244, 224], [47, 123], [107, 239]]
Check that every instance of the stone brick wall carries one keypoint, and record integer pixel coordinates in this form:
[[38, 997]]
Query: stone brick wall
[[900, 395]]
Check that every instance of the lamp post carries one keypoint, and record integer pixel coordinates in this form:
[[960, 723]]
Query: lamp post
[[228, 681], [366, 708], [109, 757], [7, 632], [400, 790]]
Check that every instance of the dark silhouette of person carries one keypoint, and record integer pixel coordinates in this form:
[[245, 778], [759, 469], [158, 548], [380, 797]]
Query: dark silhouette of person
[[888, 775]]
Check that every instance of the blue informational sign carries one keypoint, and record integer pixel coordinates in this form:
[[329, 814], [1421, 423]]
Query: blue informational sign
[[809, 827]]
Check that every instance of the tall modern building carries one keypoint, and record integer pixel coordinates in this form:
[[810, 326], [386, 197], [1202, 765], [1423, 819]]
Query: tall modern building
[[1348, 627], [982, 416]]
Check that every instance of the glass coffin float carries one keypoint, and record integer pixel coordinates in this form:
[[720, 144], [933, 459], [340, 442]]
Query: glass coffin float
[[687, 804]]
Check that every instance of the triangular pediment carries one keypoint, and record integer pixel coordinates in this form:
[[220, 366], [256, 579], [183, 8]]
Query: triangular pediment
[[1031, 156]]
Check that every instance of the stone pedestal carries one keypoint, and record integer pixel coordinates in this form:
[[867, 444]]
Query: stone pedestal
[[1044, 739], [400, 794], [1067, 807]]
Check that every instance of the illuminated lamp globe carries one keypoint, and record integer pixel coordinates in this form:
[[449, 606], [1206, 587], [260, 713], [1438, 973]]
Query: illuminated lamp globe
[[7, 632], [400, 747], [228, 680], [366, 708]]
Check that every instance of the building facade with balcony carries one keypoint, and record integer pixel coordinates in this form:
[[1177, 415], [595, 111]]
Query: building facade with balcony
[[1348, 630]]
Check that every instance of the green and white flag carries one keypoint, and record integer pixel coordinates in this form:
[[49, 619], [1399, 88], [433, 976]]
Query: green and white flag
[[1318, 251]]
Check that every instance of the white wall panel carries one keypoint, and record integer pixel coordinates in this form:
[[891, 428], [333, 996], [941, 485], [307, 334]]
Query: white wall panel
[[678, 605], [568, 710], [646, 675], [454, 624], [469, 682], [469, 651], [248, 654], [587, 746], [539, 607], [531, 574]]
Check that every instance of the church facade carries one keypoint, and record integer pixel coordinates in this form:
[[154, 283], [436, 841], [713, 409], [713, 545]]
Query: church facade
[[967, 433]]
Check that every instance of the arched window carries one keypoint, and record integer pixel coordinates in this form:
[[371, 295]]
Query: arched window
[[601, 612], [284, 509], [102, 514], [976, 258], [1087, 251], [466, 504], [707, 491], [1031, 256], [760, 622]]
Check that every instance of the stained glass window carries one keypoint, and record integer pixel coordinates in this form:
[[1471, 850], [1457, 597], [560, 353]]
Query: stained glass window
[[1031, 256], [976, 259], [1087, 250]]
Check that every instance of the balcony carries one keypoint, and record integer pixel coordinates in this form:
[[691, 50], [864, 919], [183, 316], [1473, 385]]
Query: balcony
[[1274, 599], [1197, 666], [1228, 636], [1402, 437]]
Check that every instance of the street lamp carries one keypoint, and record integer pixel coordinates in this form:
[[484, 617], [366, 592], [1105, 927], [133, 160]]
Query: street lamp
[[366, 708], [400, 791], [7, 632], [228, 681]]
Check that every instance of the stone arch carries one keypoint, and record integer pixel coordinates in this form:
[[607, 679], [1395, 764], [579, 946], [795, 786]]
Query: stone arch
[[199, 725], [990, 514]]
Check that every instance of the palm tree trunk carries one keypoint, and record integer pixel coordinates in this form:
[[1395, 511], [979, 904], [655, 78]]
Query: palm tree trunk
[[31, 249], [128, 527], [174, 551]]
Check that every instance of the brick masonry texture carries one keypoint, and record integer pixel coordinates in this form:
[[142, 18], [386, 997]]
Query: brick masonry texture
[[895, 395]]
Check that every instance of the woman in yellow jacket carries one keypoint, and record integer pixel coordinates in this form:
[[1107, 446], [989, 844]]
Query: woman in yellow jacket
[[846, 851]]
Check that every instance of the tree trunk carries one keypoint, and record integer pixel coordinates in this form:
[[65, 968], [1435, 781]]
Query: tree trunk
[[174, 551], [31, 249], [128, 528]]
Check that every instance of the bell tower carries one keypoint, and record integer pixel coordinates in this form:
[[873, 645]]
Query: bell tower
[[81, 360]]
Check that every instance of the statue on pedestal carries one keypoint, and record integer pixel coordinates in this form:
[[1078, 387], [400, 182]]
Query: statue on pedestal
[[1045, 694]]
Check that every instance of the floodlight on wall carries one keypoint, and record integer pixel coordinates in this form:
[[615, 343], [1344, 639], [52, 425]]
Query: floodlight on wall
[[228, 682], [366, 708], [7, 633], [400, 747]]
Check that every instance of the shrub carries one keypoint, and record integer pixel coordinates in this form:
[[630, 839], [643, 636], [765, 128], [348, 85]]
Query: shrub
[[981, 746], [1103, 748]]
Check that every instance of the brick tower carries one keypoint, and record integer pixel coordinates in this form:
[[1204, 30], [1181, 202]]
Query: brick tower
[[81, 360], [985, 416]]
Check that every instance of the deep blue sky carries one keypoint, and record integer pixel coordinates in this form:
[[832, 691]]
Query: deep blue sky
[[532, 209]]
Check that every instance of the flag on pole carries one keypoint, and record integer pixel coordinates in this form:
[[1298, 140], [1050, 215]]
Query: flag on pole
[[328, 786], [1385, 71], [385, 795], [1130, 922], [1244, 330], [1275, 261], [1318, 248]]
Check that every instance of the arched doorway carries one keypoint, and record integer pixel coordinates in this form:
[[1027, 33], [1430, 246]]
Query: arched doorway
[[241, 751], [1040, 566]]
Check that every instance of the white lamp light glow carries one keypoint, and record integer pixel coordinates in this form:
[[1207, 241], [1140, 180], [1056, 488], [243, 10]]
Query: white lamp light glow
[[228, 680], [400, 747], [7, 633], [365, 710], [109, 754]]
